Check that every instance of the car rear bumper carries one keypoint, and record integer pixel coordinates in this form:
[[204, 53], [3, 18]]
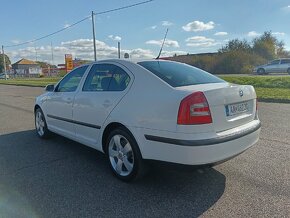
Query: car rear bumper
[[192, 151]]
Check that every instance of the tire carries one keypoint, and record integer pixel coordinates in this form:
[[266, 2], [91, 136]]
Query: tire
[[40, 124], [124, 156], [288, 71], [261, 71]]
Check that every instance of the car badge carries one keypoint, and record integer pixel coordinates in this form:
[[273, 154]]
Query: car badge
[[241, 93]]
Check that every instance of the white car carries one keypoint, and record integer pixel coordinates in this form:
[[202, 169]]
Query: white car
[[150, 110]]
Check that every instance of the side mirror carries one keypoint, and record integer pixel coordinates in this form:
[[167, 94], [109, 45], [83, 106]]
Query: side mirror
[[49, 88]]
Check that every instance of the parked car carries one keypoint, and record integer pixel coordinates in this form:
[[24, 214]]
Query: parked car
[[150, 110], [4, 76], [276, 66]]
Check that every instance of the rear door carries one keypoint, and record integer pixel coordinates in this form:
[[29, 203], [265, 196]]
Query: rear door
[[103, 88], [284, 65]]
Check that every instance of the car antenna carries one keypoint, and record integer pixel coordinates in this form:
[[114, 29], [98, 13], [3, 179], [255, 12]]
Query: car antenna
[[162, 45]]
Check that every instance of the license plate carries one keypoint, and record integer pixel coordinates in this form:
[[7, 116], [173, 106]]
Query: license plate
[[234, 109]]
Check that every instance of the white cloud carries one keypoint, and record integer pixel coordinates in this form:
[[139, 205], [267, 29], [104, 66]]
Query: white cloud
[[201, 41], [115, 38], [66, 26], [153, 27], [167, 43], [253, 34], [286, 8], [166, 23], [279, 33], [221, 34], [80, 48], [15, 41], [197, 26]]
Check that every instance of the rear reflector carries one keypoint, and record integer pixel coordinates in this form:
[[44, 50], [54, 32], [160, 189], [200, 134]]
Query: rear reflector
[[194, 109]]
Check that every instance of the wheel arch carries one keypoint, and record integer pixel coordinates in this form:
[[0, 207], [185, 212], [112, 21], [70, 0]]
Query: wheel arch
[[36, 107], [110, 127]]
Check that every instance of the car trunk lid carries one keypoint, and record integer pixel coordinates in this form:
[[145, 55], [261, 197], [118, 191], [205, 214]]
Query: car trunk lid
[[230, 105]]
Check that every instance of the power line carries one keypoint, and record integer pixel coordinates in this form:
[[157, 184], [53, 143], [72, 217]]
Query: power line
[[122, 8], [74, 24], [48, 35]]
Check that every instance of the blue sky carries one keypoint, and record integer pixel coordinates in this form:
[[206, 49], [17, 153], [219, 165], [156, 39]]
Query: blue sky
[[195, 26]]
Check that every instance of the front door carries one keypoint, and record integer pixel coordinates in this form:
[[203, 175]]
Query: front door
[[59, 103]]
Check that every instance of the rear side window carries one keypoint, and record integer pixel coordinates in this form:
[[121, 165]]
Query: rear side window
[[285, 61], [106, 77], [178, 74]]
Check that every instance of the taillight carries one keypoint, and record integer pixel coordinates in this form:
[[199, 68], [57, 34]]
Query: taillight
[[194, 109]]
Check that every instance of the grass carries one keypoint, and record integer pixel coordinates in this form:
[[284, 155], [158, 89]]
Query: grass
[[38, 82], [268, 88], [260, 81]]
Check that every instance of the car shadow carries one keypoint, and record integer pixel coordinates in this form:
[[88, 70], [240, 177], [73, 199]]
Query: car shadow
[[62, 178]]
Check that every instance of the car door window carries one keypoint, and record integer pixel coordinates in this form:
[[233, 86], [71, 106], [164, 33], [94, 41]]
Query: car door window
[[106, 77], [285, 61], [72, 80]]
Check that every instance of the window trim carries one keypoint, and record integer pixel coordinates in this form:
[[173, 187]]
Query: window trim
[[57, 85]]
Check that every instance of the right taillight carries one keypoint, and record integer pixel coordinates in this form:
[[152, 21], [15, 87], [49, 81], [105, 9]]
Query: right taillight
[[194, 109]]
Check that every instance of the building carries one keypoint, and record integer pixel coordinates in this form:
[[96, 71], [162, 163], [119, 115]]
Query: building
[[26, 67]]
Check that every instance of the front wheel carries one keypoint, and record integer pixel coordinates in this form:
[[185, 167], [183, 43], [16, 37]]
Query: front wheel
[[40, 124], [261, 71], [124, 155]]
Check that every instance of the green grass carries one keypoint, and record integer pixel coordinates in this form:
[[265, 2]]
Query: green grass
[[260, 81], [268, 88], [273, 94], [41, 82]]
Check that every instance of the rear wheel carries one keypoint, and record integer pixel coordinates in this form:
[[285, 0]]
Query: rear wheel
[[124, 156], [261, 71], [40, 124]]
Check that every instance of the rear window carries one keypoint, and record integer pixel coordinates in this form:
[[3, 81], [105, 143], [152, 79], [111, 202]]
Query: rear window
[[178, 74]]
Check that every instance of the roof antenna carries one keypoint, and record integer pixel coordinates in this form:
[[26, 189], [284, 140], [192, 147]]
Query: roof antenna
[[162, 45]]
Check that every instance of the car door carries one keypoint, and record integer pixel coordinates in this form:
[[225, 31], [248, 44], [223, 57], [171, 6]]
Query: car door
[[273, 67], [284, 65], [103, 88], [59, 103]]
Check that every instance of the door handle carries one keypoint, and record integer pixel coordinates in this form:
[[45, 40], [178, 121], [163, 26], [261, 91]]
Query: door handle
[[68, 100]]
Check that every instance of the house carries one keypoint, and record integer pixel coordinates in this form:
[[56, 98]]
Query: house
[[26, 67]]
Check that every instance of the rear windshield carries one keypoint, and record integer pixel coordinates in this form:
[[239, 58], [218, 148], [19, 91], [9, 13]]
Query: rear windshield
[[178, 74]]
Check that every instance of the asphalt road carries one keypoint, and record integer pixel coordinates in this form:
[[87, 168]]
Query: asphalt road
[[62, 178]]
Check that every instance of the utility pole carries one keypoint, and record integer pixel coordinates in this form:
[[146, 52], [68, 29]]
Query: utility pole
[[4, 62], [94, 36], [51, 55], [119, 50]]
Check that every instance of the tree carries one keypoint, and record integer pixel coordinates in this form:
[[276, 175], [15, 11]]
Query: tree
[[236, 45], [7, 61], [268, 46]]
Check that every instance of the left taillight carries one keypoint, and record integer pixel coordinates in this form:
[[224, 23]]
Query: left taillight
[[194, 109]]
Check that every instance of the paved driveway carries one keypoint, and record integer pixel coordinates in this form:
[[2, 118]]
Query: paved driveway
[[62, 178]]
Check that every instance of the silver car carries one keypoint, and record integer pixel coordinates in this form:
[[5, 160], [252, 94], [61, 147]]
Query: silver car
[[276, 66]]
